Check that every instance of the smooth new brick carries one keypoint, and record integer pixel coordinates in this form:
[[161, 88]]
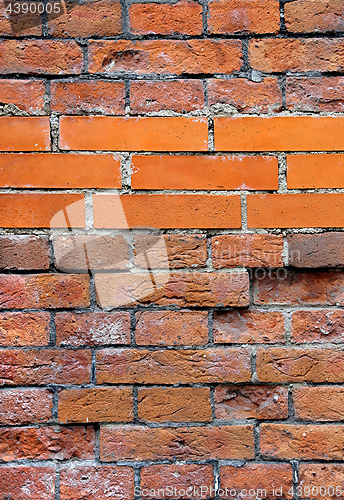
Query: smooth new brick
[[171, 328], [325, 478], [192, 443], [306, 16], [246, 96], [316, 250], [319, 403], [315, 171], [234, 402], [204, 172], [25, 406], [24, 95], [95, 405], [83, 97], [46, 443], [52, 291], [315, 94], [27, 483], [300, 365], [250, 250], [131, 366], [24, 133], [23, 253], [154, 96], [180, 289], [318, 326], [43, 367], [167, 211], [24, 329], [165, 56], [184, 17], [185, 404], [134, 134], [248, 327], [95, 328]]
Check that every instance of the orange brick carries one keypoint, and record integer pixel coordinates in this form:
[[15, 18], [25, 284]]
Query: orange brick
[[15, 24], [204, 172], [26, 95], [134, 134], [319, 403], [167, 211], [25, 406], [306, 16], [24, 329], [315, 171], [24, 134], [324, 478], [295, 210], [318, 326], [315, 94], [15, 480]]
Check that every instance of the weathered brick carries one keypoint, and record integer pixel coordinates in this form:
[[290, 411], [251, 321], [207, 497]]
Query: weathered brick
[[23, 253], [19, 133], [15, 24], [315, 94], [320, 476], [316, 250], [306, 16], [23, 95], [24, 329], [25, 406], [318, 326], [319, 403], [27, 483], [315, 171]]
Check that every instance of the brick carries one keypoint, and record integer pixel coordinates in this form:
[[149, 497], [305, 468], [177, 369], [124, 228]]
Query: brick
[[27, 483], [47, 210], [304, 442], [95, 405], [23, 253], [24, 329], [14, 24], [167, 211], [250, 250], [315, 171], [25, 406], [321, 476], [171, 328], [295, 210], [162, 480], [24, 133], [96, 18], [44, 367], [316, 250], [49, 291], [204, 172], [183, 443], [23, 95], [315, 94], [319, 403], [244, 95], [165, 56], [261, 402], [95, 328], [129, 366], [248, 327], [180, 289], [46, 443], [281, 133], [266, 480], [184, 404], [296, 55], [300, 288], [183, 17], [153, 96], [83, 253], [170, 251], [314, 16], [37, 57], [317, 326], [93, 482], [134, 134], [83, 97], [300, 365]]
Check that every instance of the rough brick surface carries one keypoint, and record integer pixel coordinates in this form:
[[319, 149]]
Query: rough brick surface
[[26, 95], [26, 483], [22, 253], [321, 475], [24, 329], [315, 94], [314, 16], [316, 250], [25, 406], [319, 403], [317, 326]]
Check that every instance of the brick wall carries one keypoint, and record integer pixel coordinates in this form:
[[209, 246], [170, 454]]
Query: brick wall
[[172, 250]]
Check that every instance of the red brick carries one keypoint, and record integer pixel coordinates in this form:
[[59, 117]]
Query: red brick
[[250, 250], [22, 253], [319, 403], [91, 252], [95, 328], [37, 57], [304, 16], [24, 133], [315, 94], [167, 211], [261, 402], [25, 406], [204, 172], [44, 367], [315, 171], [321, 476], [25, 95], [171, 328], [95, 405], [50, 291], [191, 443], [27, 483], [248, 327], [93, 482], [18, 24], [177, 404], [46, 443], [165, 56], [180, 289], [134, 134], [24, 329], [154, 96], [318, 326], [300, 365], [184, 17], [96, 18], [246, 96], [128, 366], [95, 97], [316, 250]]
